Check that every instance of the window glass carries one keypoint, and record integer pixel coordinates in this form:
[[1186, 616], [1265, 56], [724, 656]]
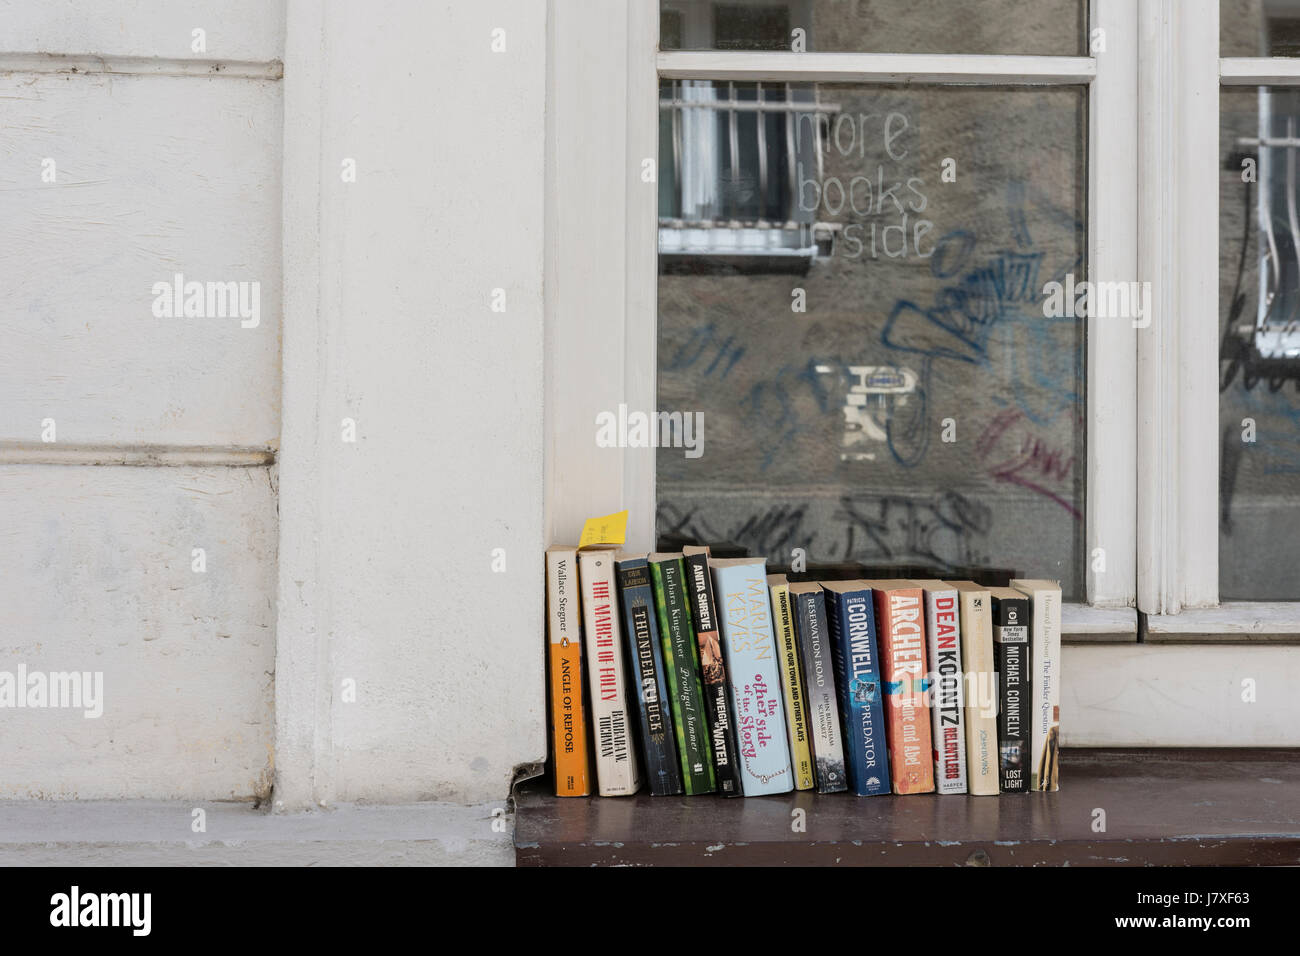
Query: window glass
[[1044, 27], [1259, 355], [854, 303], [1259, 27]]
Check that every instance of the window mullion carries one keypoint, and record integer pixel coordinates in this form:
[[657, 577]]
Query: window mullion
[[1178, 450], [641, 265], [1111, 490], [987, 69]]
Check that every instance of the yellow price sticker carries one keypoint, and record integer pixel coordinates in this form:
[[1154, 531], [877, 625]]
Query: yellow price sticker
[[611, 529]]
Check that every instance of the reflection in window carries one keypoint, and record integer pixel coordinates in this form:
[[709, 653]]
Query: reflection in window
[[1259, 27], [854, 301], [1043, 28], [1259, 367], [729, 174]]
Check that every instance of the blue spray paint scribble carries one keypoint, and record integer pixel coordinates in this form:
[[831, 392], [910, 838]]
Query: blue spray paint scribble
[[991, 315]]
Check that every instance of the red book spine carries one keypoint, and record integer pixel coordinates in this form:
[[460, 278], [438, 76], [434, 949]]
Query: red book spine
[[900, 620]]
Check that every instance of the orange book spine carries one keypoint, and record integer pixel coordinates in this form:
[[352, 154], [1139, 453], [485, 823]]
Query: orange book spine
[[568, 716], [900, 623]]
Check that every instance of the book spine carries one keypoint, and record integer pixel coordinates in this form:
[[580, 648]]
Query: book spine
[[1011, 649], [664, 775], [819, 691], [852, 629], [713, 674], [947, 726], [616, 769], [747, 640], [902, 653], [568, 716], [796, 710], [1046, 696], [981, 693], [682, 668]]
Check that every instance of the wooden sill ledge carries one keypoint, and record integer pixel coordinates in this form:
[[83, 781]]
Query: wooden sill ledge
[[1162, 807]]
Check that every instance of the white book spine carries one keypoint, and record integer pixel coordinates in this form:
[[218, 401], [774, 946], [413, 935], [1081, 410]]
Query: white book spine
[[981, 711], [749, 644], [943, 637], [616, 764], [1045, 658]]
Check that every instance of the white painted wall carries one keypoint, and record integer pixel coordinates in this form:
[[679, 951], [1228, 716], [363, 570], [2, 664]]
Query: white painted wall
[[96, 576], [249, 30], [1179, 695], [154, 175], [386, 575], [379, 553]]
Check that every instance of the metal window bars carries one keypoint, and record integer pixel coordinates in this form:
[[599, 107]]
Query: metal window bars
[[735, 204], [1276, 340]]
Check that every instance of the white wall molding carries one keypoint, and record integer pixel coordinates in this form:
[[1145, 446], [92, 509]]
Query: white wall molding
[[140, 65], [302, 712], [166, 456]]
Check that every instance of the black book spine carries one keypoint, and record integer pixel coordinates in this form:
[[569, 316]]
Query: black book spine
[[816, 661], [713, 675], [658, 744], [1011, 649]]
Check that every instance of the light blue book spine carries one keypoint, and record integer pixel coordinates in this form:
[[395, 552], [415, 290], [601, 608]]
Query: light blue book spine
[[754, 675]]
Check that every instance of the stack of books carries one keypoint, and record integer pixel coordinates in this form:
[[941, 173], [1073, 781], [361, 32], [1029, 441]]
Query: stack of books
[[691, 675]]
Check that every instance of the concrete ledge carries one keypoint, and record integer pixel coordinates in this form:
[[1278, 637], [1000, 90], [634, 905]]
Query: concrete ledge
[[1205, 807], [158, 833]]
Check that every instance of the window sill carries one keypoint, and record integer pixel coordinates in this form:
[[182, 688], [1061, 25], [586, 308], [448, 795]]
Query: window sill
[[1084, 624], [1229, 623], [1215, 807]]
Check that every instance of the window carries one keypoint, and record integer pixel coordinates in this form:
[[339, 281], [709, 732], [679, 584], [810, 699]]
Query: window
[[1259, 357], [850, 291], [1259, 28], [892, 394], [1259, 312], [1041, 28], [1259, 308], [1085, 145]]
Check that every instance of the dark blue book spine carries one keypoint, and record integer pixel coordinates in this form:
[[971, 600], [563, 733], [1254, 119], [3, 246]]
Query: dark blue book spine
[[658, 748], [817, 662], [852, 623]]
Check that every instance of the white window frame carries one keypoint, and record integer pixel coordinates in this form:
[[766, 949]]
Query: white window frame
[[1151, 449], [1178, 495]]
